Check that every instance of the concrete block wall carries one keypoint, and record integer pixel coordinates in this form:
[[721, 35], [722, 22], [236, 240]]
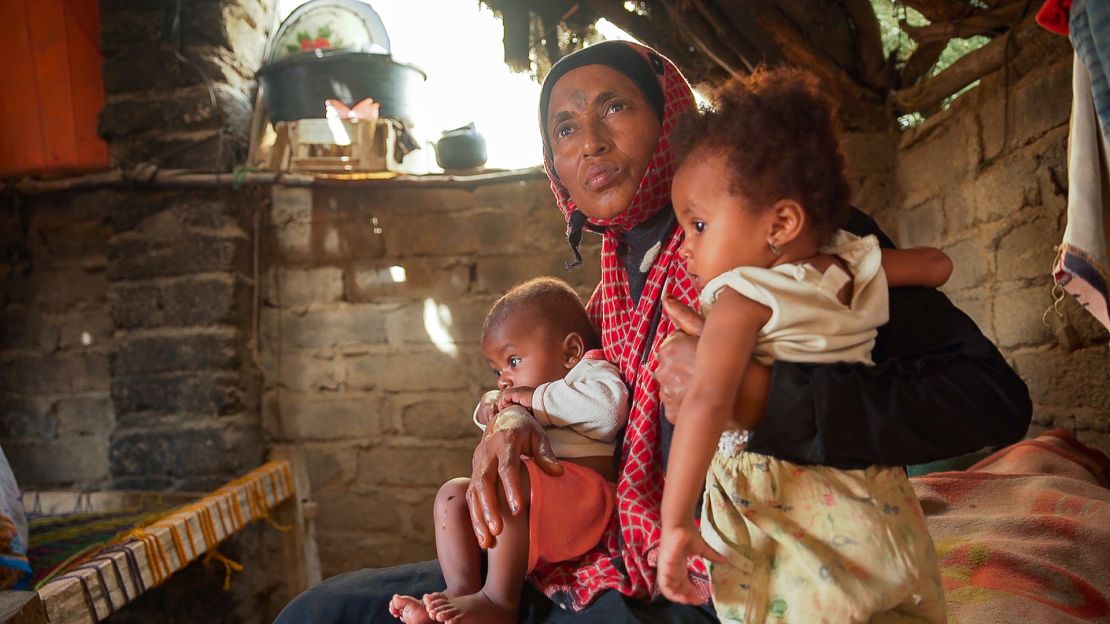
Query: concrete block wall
[[56, 415], [987, 182], [376, 374]]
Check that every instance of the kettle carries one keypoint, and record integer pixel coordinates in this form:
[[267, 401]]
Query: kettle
[[461, 148]]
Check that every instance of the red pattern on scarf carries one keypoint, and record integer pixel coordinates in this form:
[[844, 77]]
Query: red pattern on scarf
[[634, 531]]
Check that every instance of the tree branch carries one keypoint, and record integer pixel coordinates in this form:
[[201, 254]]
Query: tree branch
[[969, 68], [978, 24], [869, 44]]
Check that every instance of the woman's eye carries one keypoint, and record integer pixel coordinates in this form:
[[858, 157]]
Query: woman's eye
[[562, 132], [616, 107], [699, 226], [514, 362]]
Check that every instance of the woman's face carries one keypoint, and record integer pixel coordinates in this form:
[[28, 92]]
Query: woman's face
[[602, 134]]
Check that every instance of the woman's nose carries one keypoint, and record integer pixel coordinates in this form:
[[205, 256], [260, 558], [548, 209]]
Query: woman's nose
[[597, 140]]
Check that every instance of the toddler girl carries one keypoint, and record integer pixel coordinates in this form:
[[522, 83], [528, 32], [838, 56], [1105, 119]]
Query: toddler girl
[[760, 194]]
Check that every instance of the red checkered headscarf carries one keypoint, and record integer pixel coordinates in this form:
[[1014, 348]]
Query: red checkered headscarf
[[625, 558]]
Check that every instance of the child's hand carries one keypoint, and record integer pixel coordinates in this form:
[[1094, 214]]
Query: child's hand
[[487, 408], [519, 395], [676, 547]]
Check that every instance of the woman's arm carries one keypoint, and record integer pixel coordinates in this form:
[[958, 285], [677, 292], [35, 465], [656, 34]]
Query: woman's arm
[[939, 389], [497, 461]]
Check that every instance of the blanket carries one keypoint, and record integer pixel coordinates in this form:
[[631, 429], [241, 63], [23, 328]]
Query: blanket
[[1024, 535]]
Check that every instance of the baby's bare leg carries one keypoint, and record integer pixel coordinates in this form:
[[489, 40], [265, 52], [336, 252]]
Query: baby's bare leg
[[499, 599], [460, 558]]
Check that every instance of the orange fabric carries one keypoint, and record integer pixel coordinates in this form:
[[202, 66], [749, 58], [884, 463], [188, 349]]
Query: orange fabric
[[557, 529]]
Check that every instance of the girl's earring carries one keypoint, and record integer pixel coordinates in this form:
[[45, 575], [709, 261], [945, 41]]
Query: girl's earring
[[775, 249]]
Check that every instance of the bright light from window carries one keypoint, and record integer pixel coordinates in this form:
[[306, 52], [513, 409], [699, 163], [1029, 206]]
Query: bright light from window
[[460, 46], [397, 274], [437, 320]]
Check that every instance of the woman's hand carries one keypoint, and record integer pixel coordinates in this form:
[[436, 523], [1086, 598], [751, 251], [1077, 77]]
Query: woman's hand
[[676, 547], [676, 368], [676, 355], [497, 461]]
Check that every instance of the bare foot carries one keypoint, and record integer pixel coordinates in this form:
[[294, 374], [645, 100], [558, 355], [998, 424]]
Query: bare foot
[[476, 607], [409, 610]]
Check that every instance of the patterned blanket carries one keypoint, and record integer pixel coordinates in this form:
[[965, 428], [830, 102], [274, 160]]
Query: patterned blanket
[[1024, 535]]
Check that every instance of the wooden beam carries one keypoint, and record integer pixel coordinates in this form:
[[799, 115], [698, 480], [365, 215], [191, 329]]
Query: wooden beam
[[644, 29], [966, 70], [978, 24], [875, 69], [302, 559], [859, 107], [706, 40], [942, 10], [919, 64]]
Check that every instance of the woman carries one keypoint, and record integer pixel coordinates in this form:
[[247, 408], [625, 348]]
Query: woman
[[939, 387]]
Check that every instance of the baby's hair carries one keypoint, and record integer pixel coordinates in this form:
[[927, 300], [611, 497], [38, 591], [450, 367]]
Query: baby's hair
[[550, 302], [778, 134]]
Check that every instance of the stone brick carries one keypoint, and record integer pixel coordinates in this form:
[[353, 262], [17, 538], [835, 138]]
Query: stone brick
[[61, 373], [1078, 328], [89, 328], [345, 551], [941, 153], [304, 416], [84, 416], [185, 452], [190, 108], [1027, 251], [180, 302], [53, 464], [303, 286], [132, 257], [334, 326], [413, 278], [923, 225], [959, 208], [330, 466], [438, 416], [412, 466], [410, 369], [81, 243], [1041, 101], [972, 263], [199, 150], [461, 319], [497, 274], [1018, 314], [323, 241], [1073, 379], [363, 511], [869, 152], [1007, 185], [59, 290], [22, 418], [24, 327], [303, 371], [180, 350], [201, 392], [154, 67], [420, 234]]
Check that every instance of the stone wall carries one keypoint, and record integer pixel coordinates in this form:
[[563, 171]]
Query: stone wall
[[56, 417], [986, 181], [375, 296]]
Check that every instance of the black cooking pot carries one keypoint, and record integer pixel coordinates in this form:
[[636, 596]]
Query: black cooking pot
[[461, 148], [295, 87]]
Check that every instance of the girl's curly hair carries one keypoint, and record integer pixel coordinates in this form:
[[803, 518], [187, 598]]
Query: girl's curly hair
[[778, 134]]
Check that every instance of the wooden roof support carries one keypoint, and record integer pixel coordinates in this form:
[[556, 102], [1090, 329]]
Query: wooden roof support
[[875, 68], [859, 107], [704, 38], [978, 24], [645, 30], [969, 68]]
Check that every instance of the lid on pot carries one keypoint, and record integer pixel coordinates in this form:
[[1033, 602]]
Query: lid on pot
[[329, 25]]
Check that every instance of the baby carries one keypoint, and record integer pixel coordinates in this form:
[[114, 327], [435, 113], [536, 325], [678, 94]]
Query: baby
[[760, 194], [545, 353]]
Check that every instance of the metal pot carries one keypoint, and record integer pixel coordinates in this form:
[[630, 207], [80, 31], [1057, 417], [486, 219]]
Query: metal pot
[[461, 148]]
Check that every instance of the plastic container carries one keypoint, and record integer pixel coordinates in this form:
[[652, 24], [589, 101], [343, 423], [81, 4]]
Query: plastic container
[[51, 87]]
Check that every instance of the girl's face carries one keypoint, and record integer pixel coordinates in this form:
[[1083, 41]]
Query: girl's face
[[602, 134], [722, 231]]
